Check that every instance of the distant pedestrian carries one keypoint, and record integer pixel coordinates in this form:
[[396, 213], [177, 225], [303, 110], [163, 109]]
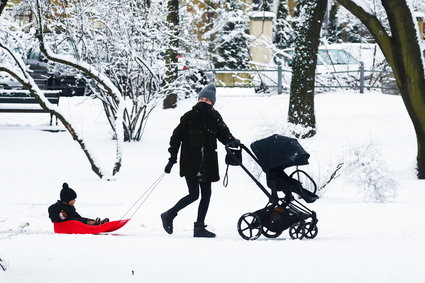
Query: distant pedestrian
[[64, 208], [197, 135]]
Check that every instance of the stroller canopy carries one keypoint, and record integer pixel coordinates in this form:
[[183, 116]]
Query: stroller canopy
[[279, 151]]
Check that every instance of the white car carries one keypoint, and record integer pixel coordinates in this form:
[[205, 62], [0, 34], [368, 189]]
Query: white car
[[328, 60], [331, 69]]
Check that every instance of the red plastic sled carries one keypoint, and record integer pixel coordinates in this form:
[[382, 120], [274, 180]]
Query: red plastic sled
[[77, 227]]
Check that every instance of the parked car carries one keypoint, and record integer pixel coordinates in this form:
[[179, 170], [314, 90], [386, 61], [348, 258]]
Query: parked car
[[333, 62], [45, 78], [329, 59]]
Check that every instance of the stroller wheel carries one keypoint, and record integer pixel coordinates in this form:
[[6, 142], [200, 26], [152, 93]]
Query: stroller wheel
[[310, 230], [297, 231], [249, 226], [270, 234]]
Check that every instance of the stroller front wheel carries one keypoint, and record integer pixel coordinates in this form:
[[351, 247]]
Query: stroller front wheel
[[310, 230], [297, 230], [249, 226]]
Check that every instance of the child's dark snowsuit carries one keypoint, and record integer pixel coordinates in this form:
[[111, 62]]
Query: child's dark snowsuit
[[72, 214], [66, 195]]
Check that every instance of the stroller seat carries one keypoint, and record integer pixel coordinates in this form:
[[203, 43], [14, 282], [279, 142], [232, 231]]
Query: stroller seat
[[278, 180]]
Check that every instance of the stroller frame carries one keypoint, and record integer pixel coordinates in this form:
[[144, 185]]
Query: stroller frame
[[278, 214]]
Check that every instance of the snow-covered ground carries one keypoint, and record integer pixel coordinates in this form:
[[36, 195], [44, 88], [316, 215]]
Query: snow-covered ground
[[358, 241]]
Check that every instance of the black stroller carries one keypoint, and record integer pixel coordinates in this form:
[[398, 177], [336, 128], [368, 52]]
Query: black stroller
[[283, 210]]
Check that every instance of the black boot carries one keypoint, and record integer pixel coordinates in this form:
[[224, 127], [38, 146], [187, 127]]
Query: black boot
[[167, 221], [199, 231]]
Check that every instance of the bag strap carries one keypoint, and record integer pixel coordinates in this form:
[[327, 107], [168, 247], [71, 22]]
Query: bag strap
[[226, 177]]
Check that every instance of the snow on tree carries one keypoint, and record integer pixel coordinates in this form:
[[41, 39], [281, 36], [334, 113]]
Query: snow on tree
[[13, 64], [172, 52], [231, 40], [125, 49], [283, 29], [331, 27], [301, 103]]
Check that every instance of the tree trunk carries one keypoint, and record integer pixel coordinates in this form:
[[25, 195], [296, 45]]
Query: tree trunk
[[2, 5], [301, 103], [171, 58], [402, 52]]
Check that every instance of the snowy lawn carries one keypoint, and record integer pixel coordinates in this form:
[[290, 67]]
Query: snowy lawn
[[358, 241]]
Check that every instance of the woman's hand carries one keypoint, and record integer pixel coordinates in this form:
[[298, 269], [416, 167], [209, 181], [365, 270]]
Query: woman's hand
[[169, 165], [234, 143]]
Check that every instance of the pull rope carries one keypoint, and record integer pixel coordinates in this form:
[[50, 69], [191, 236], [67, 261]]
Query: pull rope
[[144, 196]]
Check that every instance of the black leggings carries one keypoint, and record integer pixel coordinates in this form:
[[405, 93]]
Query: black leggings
[[193, 185]]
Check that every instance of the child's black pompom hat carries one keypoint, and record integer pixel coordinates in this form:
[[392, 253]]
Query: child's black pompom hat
[[67, 194]]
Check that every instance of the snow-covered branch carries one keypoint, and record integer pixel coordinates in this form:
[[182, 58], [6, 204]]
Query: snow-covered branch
[[27, 82], [364, 13]]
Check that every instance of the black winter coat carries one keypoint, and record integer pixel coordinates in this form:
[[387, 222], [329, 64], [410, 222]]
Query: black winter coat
[[57, 207], [197, 134]]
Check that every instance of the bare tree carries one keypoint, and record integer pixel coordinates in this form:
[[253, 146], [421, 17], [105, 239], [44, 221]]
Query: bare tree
[[94, 74], [22, 75], [126, 49], [13, 64], [400, 46]]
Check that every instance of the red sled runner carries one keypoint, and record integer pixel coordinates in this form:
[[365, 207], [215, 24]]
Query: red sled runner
[[77, 227]]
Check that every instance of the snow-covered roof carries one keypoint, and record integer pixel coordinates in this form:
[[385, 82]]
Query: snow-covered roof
[[419, 14], [262, 14]]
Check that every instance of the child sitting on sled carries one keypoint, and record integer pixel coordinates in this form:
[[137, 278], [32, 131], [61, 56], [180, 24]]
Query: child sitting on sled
[[64, 208]]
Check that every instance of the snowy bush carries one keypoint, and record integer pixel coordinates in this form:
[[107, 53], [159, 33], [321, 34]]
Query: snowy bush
[[365, 167], [324, 175]]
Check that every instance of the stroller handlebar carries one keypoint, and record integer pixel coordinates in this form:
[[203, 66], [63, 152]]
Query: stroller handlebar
[[236, 159]]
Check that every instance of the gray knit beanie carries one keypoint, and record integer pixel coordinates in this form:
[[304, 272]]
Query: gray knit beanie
[[208, 92]]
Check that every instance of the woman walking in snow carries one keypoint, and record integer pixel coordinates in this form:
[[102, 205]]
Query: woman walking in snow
[[197, 134]]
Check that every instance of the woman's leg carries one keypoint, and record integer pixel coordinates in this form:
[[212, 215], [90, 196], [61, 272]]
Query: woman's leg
[[193, 186], [199, 226], [205, 201], [168, 216]]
